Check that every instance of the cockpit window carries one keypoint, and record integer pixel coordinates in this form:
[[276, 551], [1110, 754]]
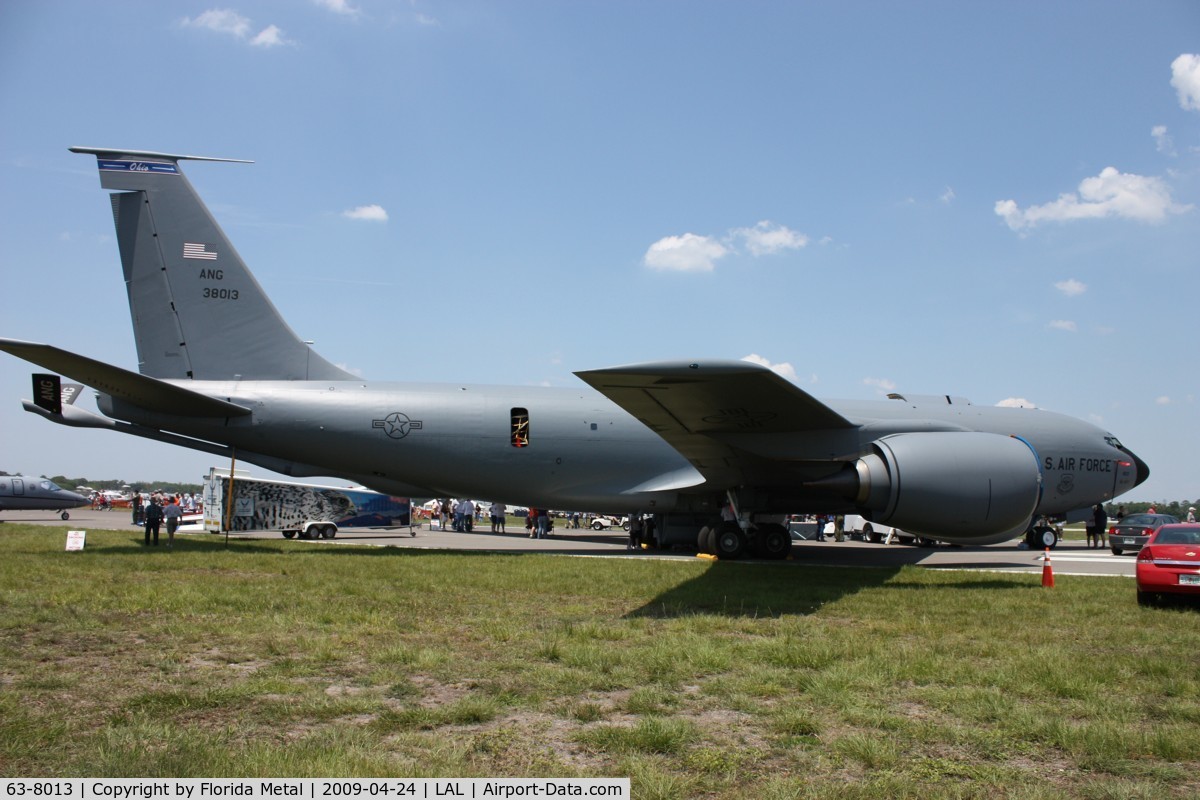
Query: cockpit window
[[1114, 442], [50, 486]]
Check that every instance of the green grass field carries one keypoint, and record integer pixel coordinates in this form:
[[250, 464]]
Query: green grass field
[[696, 679]]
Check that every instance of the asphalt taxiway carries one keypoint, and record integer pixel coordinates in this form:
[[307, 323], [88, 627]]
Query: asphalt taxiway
[[1069, 558]]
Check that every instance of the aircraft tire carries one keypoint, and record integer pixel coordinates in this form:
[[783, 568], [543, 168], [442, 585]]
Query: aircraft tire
[[65, 515], [729, 542], [774, 542], [702, 540], [1046, 538]]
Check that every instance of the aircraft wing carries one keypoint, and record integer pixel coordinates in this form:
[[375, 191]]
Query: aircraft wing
[[693, 405], [148, 393]]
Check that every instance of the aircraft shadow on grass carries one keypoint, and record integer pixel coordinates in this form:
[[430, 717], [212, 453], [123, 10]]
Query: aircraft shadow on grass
[[762, 590]]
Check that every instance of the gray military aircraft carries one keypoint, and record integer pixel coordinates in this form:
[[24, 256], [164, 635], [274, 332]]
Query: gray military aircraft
[[24, 493], [723, 449]]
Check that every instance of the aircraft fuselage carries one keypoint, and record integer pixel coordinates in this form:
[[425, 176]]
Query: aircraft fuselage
[[582, 451], [19, 492]]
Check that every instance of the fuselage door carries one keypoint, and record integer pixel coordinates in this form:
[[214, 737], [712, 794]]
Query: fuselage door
[[1125, 475], [18, 487]]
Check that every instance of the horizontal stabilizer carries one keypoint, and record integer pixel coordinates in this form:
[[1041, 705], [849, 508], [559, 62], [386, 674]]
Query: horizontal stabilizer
[[115, 154], [148, 393]]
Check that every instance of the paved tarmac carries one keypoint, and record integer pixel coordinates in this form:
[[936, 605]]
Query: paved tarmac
[[1069, 558]]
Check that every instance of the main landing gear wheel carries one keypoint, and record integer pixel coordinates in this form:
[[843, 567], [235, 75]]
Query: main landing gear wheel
[[729, 542], [65, 515], [773, 542]]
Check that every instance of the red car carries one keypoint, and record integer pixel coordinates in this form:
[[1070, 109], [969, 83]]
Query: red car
[[1169, 563]]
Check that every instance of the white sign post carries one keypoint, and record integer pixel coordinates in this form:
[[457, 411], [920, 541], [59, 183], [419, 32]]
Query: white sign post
[[75, 540]]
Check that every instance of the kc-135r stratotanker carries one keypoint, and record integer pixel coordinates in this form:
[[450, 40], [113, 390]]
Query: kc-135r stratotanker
[[220, 371]]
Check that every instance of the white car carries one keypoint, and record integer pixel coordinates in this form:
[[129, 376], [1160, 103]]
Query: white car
[[876, 533], [602, 522]]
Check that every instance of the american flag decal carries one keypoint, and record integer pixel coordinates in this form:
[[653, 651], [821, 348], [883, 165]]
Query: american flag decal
[[196, 250]]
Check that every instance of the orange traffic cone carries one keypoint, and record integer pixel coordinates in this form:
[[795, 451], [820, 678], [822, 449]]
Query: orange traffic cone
[[1047, 571]]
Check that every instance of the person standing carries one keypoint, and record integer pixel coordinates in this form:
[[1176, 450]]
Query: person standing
[[498, 511], [153, 520], [635, 532], [171, 514], [1089, 529], [1100, 521]]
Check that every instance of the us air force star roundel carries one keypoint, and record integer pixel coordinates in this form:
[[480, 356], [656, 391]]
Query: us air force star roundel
[[397, 425]]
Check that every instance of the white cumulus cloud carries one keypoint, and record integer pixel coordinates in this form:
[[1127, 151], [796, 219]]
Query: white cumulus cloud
[[687, 253], [1163, 401], [1162, 140], [692, 252], [231, 23], [1185, 77], [371, 213], [221, 20], [767, 238], [342, 7], [1071, 287], [883, 385], [1109, 194], [784, 370], [1016, 402], [1063, 325], [270, 36]]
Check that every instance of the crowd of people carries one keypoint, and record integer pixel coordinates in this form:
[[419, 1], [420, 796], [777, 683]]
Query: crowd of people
[[152, 510]]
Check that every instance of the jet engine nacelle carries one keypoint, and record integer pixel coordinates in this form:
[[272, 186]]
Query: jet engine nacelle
[[955, 486]]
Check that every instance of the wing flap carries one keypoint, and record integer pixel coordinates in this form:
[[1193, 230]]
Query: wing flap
[[145, 392]]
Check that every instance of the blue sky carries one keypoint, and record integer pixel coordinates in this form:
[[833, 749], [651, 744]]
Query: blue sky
[[994, 200]]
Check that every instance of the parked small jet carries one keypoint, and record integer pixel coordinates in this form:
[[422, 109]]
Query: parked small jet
[[24, 493], [725, 447]]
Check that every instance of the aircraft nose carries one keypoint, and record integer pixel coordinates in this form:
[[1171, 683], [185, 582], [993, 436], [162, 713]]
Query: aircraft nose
[[1143, 471]]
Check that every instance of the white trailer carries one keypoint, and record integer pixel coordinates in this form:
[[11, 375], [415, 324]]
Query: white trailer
[[308, 510]]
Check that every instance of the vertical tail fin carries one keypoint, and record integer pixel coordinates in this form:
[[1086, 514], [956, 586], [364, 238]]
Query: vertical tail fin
[[197, 310]]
